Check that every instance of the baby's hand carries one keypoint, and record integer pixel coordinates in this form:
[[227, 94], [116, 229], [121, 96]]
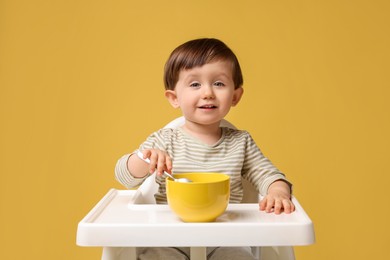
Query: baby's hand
[[159, 161], [278, 199]]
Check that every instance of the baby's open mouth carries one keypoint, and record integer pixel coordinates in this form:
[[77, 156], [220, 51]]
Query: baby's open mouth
[[208, 107]]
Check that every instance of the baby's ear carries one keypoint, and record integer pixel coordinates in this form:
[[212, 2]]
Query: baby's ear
[[238, 92], [172, 98]]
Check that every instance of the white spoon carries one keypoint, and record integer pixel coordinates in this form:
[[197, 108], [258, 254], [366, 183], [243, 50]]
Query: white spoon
[[141, 156]]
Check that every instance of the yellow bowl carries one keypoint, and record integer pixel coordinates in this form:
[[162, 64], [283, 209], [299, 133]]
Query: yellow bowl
[[202, 200]]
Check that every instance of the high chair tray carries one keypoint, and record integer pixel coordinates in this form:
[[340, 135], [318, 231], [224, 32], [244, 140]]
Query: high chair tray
[[118, 221]]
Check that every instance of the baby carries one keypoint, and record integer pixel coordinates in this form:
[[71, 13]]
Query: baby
[[203, 79]]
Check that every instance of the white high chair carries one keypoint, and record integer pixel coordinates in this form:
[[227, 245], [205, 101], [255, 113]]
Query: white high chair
[[149, 188]]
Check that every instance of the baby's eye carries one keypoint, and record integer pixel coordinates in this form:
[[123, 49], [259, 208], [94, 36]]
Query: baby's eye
[[195, 85], [219, 84]]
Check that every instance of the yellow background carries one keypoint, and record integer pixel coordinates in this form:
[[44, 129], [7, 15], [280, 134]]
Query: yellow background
[[81, 84]]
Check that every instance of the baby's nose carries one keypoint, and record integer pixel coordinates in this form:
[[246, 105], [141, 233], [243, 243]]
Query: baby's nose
[[208, 92]]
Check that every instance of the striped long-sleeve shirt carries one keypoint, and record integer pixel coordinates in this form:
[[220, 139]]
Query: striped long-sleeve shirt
[[235, 154]]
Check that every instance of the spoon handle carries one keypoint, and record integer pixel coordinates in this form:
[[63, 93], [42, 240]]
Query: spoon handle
[[169, 175], [141, 156]]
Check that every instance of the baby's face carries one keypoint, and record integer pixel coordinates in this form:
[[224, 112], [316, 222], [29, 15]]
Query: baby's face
[[205, 94]]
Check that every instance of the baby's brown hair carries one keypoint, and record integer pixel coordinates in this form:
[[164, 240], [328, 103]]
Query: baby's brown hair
[[196, 53]]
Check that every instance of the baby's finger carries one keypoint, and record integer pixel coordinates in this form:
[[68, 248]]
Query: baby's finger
[[160, 165], [168, 164], [278, 207], [146, 156], [153, 162], [263, 204], [270, 205], [288, 206]]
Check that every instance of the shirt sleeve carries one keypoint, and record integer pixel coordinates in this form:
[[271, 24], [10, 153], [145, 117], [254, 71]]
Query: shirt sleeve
[[123, 176], [258, 169]]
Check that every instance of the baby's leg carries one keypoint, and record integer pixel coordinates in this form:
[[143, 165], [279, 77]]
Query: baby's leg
[[162, 253], [234, 253]]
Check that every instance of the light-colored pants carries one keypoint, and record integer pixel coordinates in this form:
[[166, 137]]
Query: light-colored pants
[[183, 253]]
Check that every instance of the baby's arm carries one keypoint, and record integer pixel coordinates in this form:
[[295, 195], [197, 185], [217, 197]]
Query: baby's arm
[[159, 160], [278, 198]]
